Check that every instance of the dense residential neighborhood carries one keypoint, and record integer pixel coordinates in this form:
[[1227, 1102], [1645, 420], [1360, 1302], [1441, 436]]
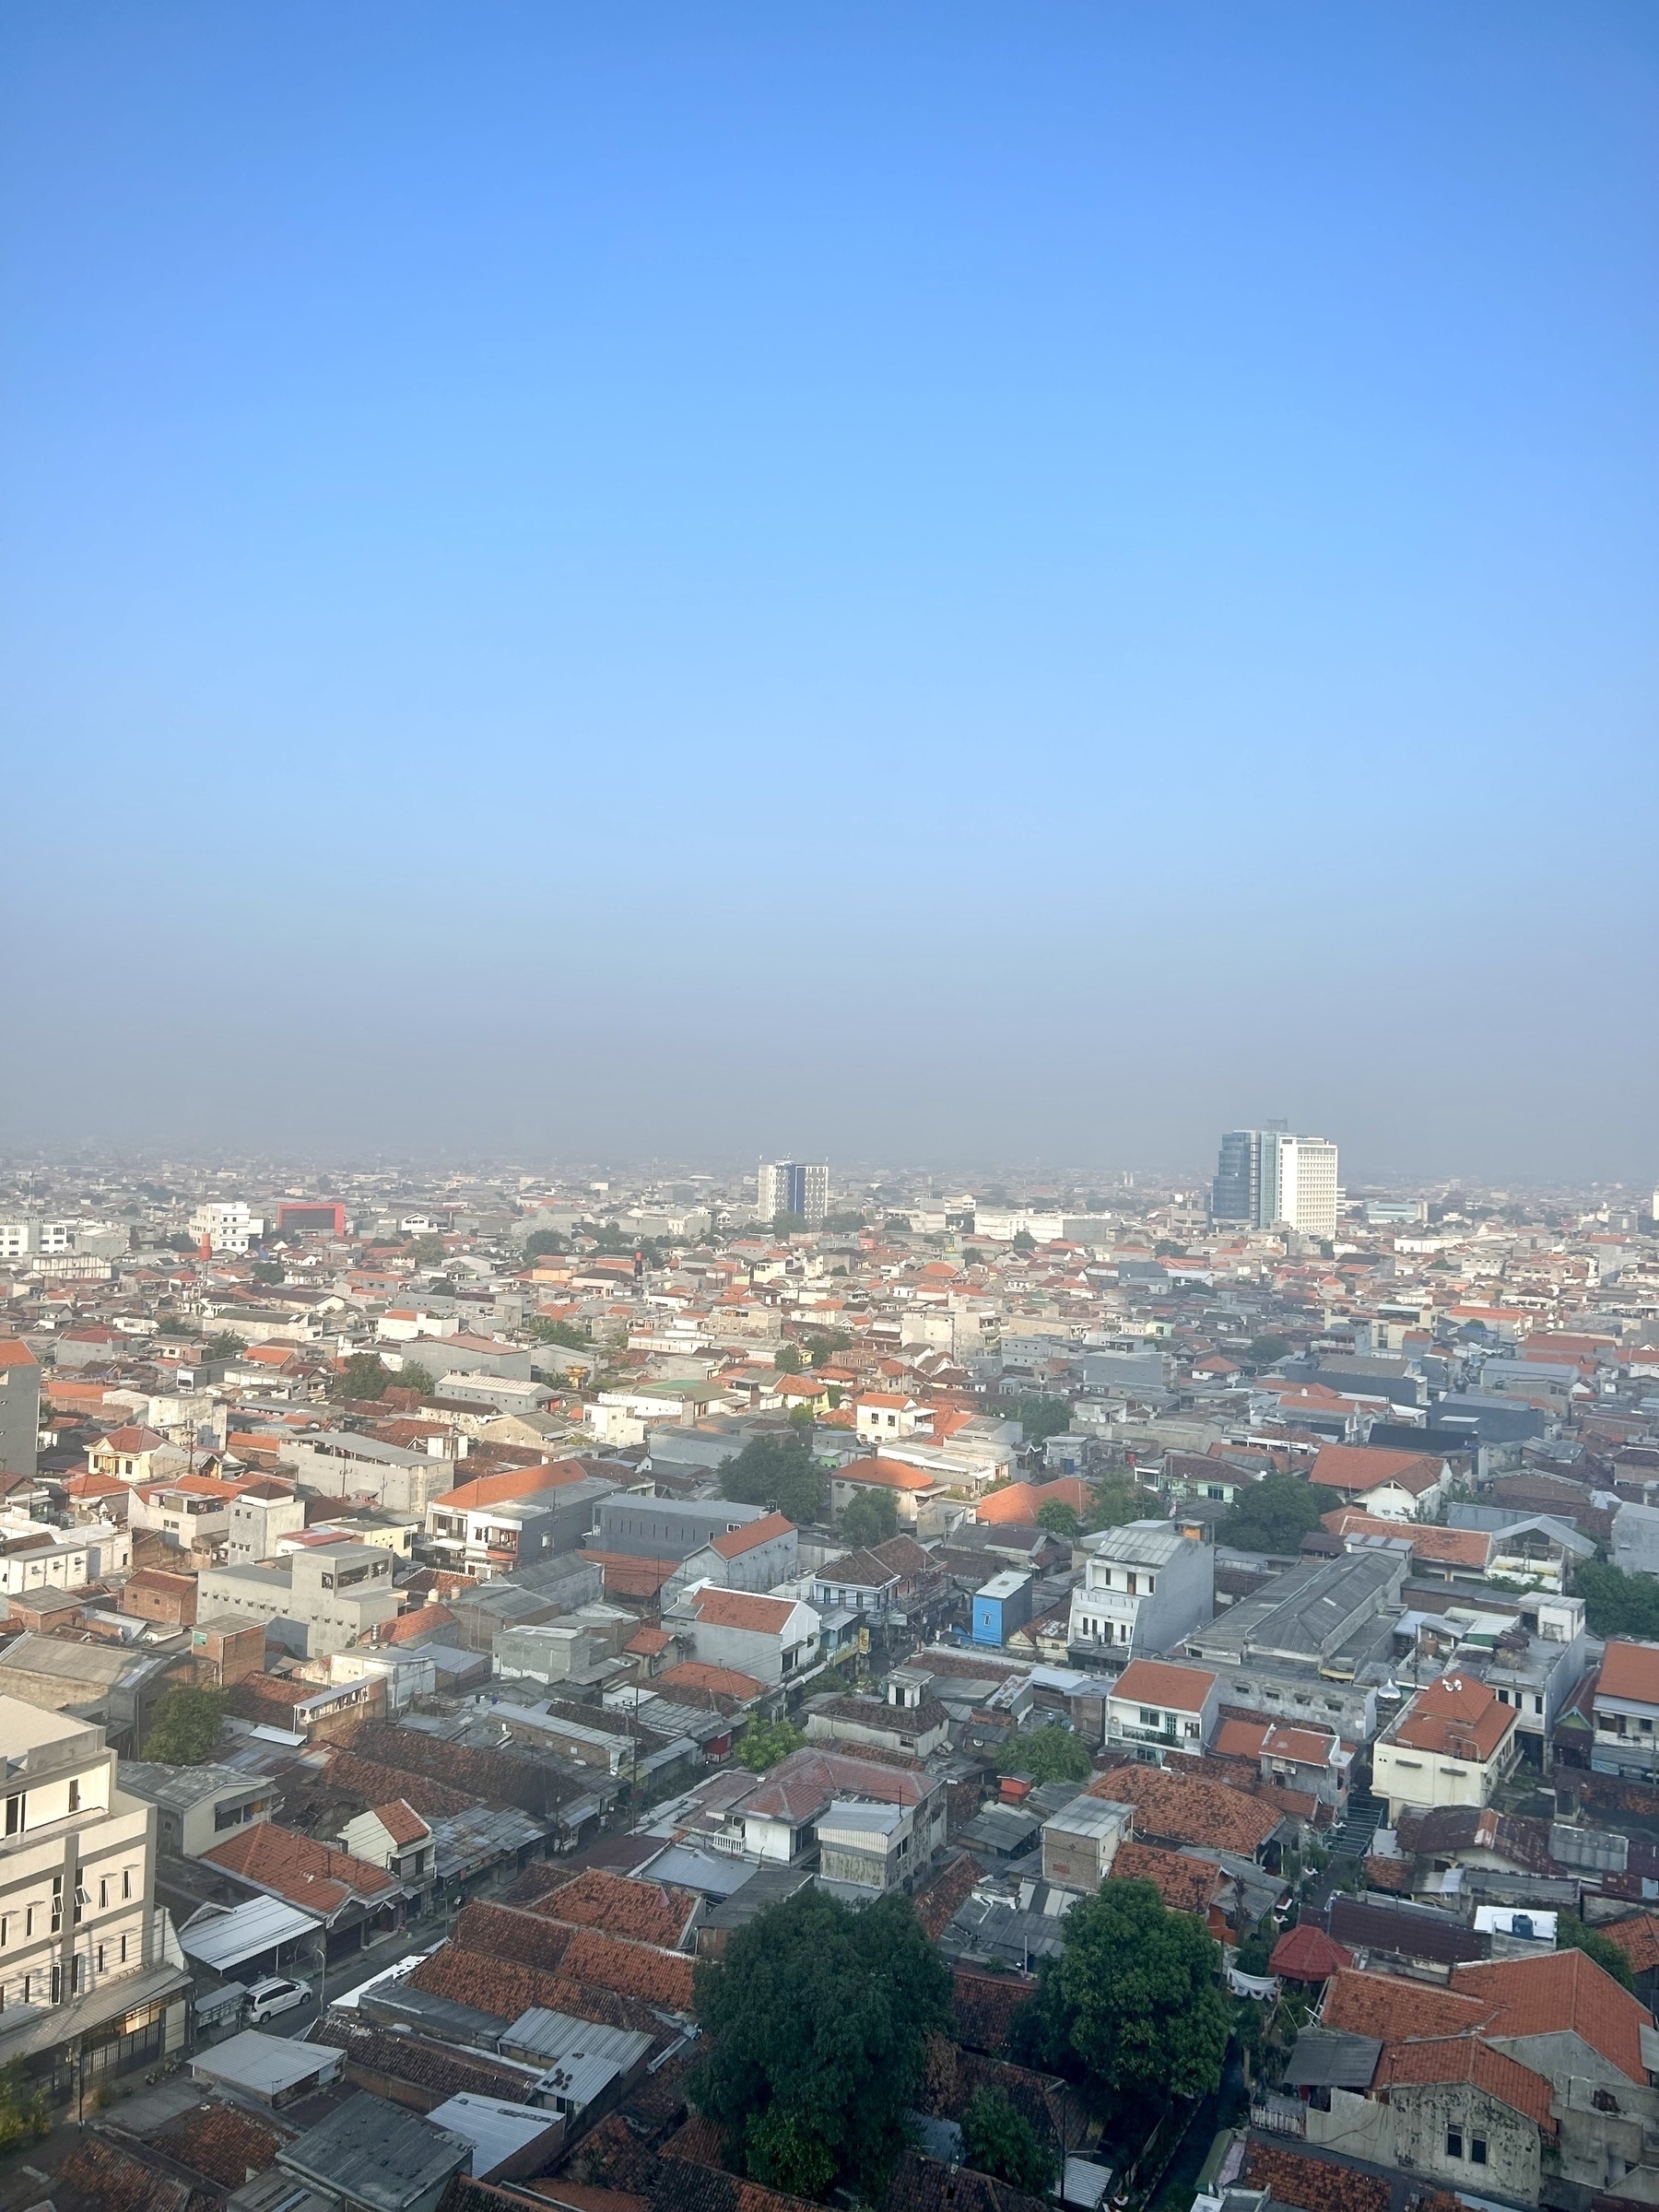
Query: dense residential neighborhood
[[496, 1668]]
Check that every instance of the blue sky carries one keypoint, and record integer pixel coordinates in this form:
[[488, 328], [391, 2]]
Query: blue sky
[[945, 583]]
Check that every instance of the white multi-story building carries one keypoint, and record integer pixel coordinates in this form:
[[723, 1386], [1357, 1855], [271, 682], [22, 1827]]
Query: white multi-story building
[[227, 1224], [86, 1962], [1145, 1587], [792, 1186], [1270, 1179]]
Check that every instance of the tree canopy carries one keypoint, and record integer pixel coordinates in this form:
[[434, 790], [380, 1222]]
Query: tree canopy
[[1574, 1936], [225, 1345], [764, 1743], [870, 1518], [1001, 2142], [411, 1375], [543, 1240], [1267, 1351], [184, 1728], [789, 1360], [1039, 1417], [819, 2018], [1058, 1518], [1275, 1515], [1616, 1603], [1051, 1753], [542, 1331], [364, 1375], [780, 1473], [1131, 2000], [1117, 1501]]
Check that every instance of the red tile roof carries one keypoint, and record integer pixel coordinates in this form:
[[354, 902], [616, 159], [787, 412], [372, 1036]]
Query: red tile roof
[[1186, 1885], [644, 1911], [402, 1822], [307, 1873], [1176, 1808], [1630, 1670], [1305, 1953], [751, 1535], [1151, 1682], [1638, 1938], [742, 1610], [1391, 2010], [1290, 2177], [1564, 1991], [1358, 1470], [1468, 2058], [886, 1475], [1458, 1717], [695, 1674]]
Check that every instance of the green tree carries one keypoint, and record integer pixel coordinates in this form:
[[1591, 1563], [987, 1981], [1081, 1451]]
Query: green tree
[[780, 1473], [1039, 1417], [1001, 2142], [1166, 1247], [542, 1331], [1024, 1241], [817, 2020], [785, 1224], [971, 1258], [1058, 1519], [1117, 1501], [361, 1376], [897, 1221], [1257, 1946], [225, 1345], [1131, 2000], [544, 1240], [845, 1222], [1267, 1351], [824, 1344], [764, 1743], [789, 1360], [1616, 1603], [428, 1252], [1275, 1515], [1574, 1936], [870, 1518], [184, 1728], [25, 2114], [1051, 1753], [411, 1375], [268, 1271]]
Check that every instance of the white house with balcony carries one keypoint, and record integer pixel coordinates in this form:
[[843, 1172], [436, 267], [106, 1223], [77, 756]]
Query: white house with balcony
[[1155, 1709], [1145, 1587]]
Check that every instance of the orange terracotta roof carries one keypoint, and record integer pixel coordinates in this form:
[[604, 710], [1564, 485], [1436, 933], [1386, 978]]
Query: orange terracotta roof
[[1630, 1670], [1182, 1809], [401, 1821], [1184, 1885], [742, 1610], [886, 1475], [1240, 1739], [515, 1482], [1561, 1992], [1440, 1546], [1358, 1469], [751, 1535], [293, 1866], [1391, 2010], [1638, 1938], [1458, 1717], [1468, 2058], [1151, 1682]]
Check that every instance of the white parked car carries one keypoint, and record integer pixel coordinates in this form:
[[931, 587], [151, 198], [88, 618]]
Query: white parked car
[[277, 1993]]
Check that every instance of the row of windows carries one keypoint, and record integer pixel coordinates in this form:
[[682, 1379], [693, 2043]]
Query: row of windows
[[45, 1985], [117, 1888]]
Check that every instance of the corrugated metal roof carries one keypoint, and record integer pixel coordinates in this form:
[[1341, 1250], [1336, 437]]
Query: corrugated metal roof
[[220, 1940]]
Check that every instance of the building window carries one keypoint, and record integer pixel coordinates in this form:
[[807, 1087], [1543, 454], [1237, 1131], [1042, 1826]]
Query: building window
[[126, 1881], [1454, 2142], [13, 1813], [75, 1801], [100, 1958], [123, 1944], [103, 1891], [1477, 2149]]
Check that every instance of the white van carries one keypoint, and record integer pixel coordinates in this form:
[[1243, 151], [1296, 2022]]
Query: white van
[[275, 1993]]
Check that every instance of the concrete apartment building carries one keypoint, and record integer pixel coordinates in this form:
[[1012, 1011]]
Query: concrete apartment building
[[1452, 1745], [86, 1961], [329, 1599], [768, 1638], [1145, 1587], [668, 1528], [197, 1806], [256, 1525], [20, 1409]]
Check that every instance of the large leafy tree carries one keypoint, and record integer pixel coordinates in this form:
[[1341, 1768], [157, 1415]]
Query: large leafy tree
[[185, 1728], [1117, 1501], [1132, 2001], [780, 1473], [1574, 1935], [1275, 1515], [1001, 2142], [1616, 1603], [817, 2019], [1039, 1417], [1048, 1754], [870, 1518], [364, 1375], [764, 1743]]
